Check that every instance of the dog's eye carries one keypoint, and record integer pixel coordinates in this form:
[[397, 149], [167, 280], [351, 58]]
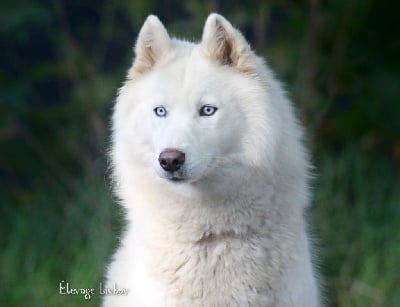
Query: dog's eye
[[208, 110], [160, 111]]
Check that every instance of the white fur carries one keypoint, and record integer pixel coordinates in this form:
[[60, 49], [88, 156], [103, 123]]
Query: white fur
[[233, 232]]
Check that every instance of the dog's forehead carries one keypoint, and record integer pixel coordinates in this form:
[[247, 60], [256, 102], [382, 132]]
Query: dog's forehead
[[186, 63], [186, 73]]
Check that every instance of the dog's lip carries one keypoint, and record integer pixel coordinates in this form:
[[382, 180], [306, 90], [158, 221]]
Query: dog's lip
[[179, 177], [185, 176], [176, 179]]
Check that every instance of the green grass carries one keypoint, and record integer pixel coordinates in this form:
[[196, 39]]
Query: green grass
[[57, 236], [50, 235], [357, 213]]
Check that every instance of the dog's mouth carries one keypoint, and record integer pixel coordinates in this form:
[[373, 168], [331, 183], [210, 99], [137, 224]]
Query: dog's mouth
[[186, 174], [176, 179], [180, 178]]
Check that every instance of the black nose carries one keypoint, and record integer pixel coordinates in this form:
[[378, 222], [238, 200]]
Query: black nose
[[171, 159]]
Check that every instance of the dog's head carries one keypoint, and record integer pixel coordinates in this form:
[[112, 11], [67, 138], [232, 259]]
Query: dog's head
[[193, 111]]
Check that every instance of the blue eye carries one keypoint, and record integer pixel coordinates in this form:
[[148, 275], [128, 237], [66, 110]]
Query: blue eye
[[207, 110], [160, 111]]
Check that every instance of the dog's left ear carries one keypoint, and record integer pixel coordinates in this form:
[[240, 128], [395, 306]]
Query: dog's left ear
[[223, 43]]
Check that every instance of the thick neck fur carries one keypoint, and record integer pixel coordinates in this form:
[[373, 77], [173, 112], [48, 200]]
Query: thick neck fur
[[198, 233]]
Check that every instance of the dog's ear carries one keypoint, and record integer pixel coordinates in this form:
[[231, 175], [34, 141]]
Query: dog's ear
[[152, 43], [223, 43]]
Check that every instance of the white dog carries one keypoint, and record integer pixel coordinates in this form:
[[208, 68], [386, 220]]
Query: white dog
[[210, 167]]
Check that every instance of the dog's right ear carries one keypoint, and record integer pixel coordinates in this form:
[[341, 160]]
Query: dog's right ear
[[152, 43]]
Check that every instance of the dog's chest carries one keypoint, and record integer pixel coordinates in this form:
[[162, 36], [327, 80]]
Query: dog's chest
[[227, 268]]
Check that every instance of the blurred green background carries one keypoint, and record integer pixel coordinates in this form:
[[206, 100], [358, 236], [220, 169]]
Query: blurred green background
[[61, 64]]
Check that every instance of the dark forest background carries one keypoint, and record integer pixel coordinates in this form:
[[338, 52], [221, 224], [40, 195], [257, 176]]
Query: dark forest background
[[61, 63]]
